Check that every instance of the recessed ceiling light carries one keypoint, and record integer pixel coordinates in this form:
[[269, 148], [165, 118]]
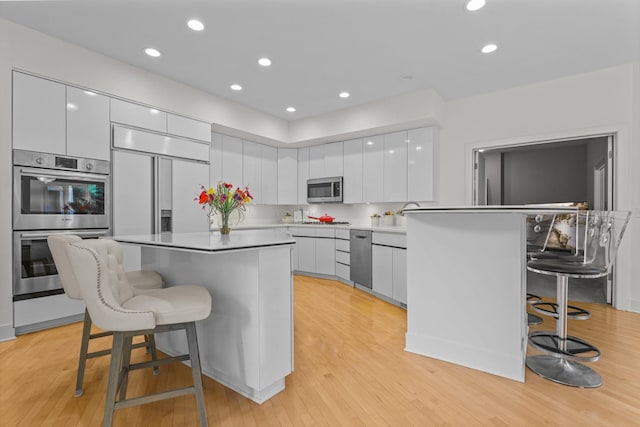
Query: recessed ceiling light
[[265, 62], [195, 25], [236, 87], [475, 5], [152, 52], [489, 48], [291, 109], [344, 94]]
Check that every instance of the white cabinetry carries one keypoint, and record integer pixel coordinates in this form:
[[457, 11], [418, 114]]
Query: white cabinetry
[[333, 155], [343, 255], [306, 253], [316, 162], [88, 127], [382, 270], [189, 128], [215, 159], [394, 187], [287, 176], [325, 252], [315, 250], [303, 175], [232, 160], [352, 181], [399, 275], [373, 164], [137, 115], [187, 177], [269, 175], [38, 114], [422, 164], [251, 165], [389, 260]]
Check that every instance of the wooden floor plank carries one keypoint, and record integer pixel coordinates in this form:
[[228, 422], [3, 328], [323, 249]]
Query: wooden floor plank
[[350, 369]]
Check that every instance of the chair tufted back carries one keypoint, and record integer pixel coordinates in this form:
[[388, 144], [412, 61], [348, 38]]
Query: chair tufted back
[[104, 286], [58, 247]]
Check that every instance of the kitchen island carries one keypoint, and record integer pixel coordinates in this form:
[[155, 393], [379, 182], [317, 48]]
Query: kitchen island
[[466, 285], [247, 342]]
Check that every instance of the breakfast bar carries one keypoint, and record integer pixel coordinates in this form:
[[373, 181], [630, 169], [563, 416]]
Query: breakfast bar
[[247, 342], [466, 285]]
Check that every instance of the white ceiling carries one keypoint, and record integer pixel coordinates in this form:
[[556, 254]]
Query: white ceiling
[[322, 47]]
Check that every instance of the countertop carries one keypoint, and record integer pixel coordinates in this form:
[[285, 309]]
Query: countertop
[[527, 209], [383, 229], [212, 241]]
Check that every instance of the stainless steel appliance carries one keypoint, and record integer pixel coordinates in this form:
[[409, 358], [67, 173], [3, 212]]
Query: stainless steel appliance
[[324, 190], [360, 243], [59, 192], [35, 273]]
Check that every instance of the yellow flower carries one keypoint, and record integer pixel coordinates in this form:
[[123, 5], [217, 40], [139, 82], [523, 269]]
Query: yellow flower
[[211, 191]]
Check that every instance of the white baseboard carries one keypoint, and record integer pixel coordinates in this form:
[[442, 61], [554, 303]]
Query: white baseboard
[[634, 305]]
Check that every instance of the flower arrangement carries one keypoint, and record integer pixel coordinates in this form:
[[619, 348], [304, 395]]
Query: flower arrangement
[[223, 200]]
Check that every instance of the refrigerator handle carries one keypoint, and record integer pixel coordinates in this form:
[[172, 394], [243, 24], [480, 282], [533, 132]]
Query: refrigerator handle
[[155, 214]]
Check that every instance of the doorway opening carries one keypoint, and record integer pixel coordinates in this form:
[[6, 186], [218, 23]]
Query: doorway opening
[[576, 170]]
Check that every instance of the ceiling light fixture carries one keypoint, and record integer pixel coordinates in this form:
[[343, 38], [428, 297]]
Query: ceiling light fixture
[[195, 25], [236, 87], [344, 94], [474, 5], [489, 48], [152, 52], [291, 109], [265, 62]]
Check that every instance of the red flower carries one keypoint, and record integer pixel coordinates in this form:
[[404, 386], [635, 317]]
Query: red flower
[[204, 198], [227, 185], [246, 190]]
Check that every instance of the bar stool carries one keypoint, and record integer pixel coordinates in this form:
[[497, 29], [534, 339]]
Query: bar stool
[[142, 281], [533, 319], [602, 232], [113, 306]]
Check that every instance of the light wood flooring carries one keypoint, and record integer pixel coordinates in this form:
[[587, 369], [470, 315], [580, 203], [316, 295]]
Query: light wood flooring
[[350, 370]]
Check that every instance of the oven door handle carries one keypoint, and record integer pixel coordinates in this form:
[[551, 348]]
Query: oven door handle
[[77, 233], [69, 175]]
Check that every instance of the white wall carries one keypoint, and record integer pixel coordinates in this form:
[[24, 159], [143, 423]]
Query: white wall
[[600, 102]]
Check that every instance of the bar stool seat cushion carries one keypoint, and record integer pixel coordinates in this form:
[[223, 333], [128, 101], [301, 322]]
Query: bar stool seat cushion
[[184, 303], [143, 281], [565, 267]]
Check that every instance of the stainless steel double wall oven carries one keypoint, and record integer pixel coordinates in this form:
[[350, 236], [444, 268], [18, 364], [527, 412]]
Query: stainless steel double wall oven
[[53, 194]]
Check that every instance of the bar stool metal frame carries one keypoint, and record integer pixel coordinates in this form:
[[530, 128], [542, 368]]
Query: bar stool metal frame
[[602, 232]]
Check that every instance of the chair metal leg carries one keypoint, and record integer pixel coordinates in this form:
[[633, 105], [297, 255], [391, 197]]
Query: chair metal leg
[[114, 374], [84, 348], [192, 341], [126, 361], [151, 338]]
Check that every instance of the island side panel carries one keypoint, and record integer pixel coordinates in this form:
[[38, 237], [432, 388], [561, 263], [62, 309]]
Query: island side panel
[[466, 286]]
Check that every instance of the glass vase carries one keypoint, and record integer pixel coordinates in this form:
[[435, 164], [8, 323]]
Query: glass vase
[[223, 223]]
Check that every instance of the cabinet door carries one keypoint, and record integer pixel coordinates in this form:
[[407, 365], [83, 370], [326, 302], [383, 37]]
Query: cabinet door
[[137, 115], [333, 155], [303, 175], [400, 275], [294, 255], [38, 114], [326, 256], [188, 215], [394, 188], [372, 167], [306, 254], [252, 175], [382, 270], [190, 128], [269, 177], [215, 160], [352, 182], [316, 162], [422, 164], [232, 160], [88, 125], [287, 176], [132, 194]]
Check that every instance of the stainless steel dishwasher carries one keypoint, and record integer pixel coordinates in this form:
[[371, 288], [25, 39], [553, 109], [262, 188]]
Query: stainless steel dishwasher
[[361, 257]]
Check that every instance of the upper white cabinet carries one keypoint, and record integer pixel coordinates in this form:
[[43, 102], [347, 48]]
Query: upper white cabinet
[[394, 187], [422, 164], [373, 164], [269, 175], [333, 155], [252, 175], [287, 176], [38, 114], [88, 128], [232, 161], [215, 160], [316, 162], [303, 175], [140, 116], [352, 176], [189, 128]]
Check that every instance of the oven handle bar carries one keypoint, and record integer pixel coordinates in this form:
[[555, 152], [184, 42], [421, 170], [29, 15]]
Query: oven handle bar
[[55, 174], [77, 233]]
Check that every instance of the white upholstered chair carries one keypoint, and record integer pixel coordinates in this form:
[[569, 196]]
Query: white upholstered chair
[[141, 281], [113, 306]]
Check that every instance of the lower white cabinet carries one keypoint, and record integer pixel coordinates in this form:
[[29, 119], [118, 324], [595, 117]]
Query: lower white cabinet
[[399, 275], [326, 256], [306, 254], [389, 272]]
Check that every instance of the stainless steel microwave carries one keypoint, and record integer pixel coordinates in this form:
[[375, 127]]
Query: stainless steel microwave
[[324, 190]]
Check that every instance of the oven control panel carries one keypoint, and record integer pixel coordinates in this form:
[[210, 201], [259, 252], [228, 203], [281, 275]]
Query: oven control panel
[[55, 161]]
